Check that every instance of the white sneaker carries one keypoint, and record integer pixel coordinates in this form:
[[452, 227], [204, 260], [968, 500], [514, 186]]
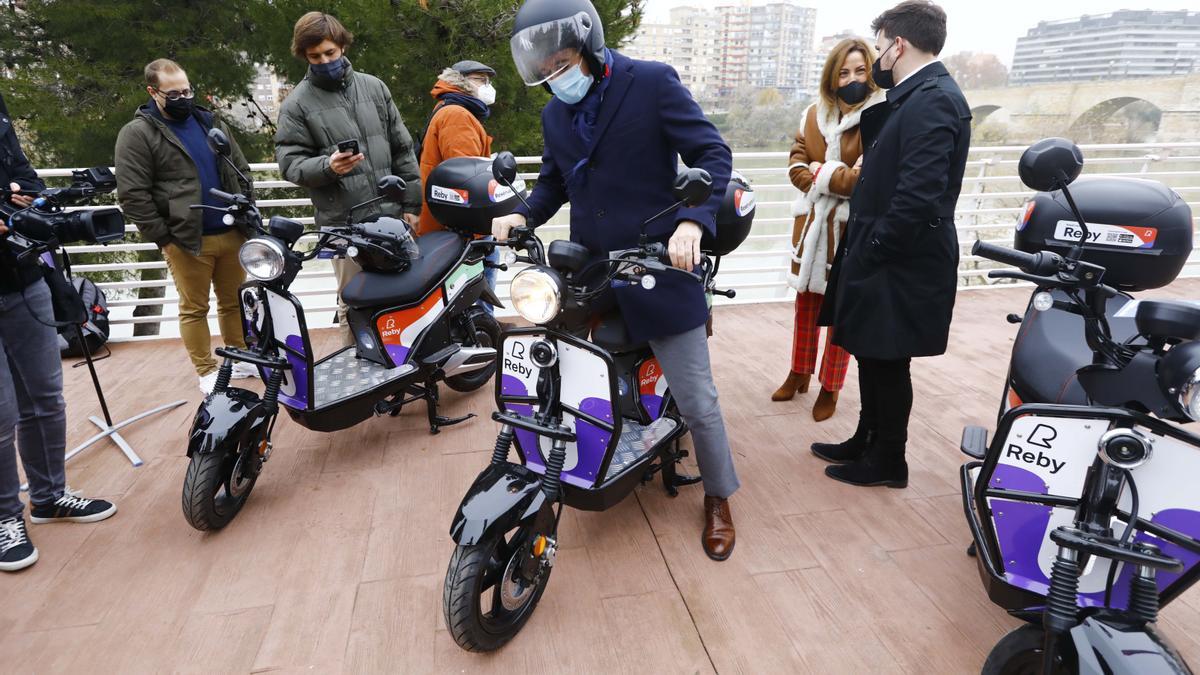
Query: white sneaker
[[243, 370], [207, 382]]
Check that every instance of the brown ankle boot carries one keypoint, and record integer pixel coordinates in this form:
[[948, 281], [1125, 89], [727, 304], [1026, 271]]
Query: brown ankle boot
[[826, 405], [795, 383], [719, 535]]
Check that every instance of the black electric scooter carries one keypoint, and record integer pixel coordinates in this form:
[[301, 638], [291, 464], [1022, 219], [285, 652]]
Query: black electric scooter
[[591, 419], [415, 322], [1085, 516]]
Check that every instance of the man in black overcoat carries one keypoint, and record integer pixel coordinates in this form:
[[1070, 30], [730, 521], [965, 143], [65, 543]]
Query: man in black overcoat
[[892, 286]]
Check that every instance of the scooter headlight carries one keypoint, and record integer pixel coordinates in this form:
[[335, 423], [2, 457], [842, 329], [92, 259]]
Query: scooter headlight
[[1189, 395], [536, 294], [262, 259]]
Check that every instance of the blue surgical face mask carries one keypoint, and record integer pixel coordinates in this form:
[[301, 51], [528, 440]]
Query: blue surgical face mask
[[332, 71], [572, 85]]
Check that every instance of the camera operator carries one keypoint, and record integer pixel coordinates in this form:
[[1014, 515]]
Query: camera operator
[[32, 410]]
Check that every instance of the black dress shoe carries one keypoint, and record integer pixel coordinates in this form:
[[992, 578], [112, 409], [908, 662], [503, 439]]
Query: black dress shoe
[[846, 451], [877, 467]]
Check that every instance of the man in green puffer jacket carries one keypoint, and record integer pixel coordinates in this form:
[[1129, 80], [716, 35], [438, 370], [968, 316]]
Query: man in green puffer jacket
[[164, 166], [333, 104]]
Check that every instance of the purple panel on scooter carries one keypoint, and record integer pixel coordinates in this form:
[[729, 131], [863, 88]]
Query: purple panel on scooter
[[1021, 528], [591, 441], [527, 440], [299, 375], [398, 353], [1180, 520], [652, 404]]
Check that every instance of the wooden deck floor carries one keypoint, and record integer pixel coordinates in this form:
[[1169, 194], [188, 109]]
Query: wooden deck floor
[[337, 562]]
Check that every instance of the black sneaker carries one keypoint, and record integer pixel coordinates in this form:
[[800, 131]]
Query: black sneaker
[[74, 509], [16, 551]]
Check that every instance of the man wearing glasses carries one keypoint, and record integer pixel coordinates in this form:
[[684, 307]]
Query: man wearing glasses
[[164, 166]]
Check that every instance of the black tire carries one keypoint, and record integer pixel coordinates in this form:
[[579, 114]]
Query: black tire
[[209, 503], [472, 573], [1020, 653], [487, 334]]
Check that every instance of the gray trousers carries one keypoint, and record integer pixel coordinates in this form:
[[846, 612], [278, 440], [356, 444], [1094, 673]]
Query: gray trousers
[[32, 410], [684, 360]]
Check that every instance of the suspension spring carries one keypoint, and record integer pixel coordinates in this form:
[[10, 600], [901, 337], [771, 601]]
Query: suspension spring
[[271, 394], [1143, 596], [554, 464], [1062, 611], [224, 374], [503, 443]]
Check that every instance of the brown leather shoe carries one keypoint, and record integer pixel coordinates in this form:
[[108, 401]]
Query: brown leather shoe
[[719, 535], [795, 383], [826, 405]]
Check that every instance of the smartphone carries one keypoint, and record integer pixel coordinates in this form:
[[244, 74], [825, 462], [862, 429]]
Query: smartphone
[[350, 146]]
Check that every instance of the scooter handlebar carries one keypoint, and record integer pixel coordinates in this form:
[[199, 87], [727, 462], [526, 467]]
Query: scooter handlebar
[[223, 196], [1041, 263]]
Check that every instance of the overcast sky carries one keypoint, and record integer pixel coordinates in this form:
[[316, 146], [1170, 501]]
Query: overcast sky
[[974, 25]]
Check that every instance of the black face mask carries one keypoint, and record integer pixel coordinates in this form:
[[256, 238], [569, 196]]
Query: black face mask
[[180, 109], [882, 77], [854, 93], [330, 75]]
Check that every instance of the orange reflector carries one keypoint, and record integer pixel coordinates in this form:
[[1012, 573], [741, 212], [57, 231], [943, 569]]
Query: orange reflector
[[1013, 399], [539, 546], [262, 448]]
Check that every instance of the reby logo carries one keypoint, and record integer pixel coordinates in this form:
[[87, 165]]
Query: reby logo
[[743, 201], [389, 329], [449, 195], [1122, 236], [648, 374]]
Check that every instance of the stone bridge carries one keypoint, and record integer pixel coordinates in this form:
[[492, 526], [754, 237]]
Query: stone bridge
[[1075, 108]]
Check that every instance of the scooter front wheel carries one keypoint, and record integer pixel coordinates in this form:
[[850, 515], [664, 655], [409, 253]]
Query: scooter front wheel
[[216, 487], [485, 599], [1020, 653]]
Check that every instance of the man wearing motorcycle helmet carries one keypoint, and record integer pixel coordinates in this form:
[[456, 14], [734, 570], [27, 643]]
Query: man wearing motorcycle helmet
[[613, 134]]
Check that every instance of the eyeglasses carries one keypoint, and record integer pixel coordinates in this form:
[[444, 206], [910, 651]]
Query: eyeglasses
[[174, 95], [482, 80]]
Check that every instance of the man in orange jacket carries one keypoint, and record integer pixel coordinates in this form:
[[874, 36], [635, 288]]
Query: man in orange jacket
[[464, 96]]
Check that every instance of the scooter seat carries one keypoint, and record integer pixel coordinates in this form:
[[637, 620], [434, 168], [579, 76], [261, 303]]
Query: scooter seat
[[610, 334], [438, 253], [1051, 346]]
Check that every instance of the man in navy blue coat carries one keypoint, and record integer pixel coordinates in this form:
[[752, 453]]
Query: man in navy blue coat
[[613, 134]]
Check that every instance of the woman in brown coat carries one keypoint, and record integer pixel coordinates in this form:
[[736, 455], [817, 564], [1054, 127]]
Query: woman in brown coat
[[824, 166]]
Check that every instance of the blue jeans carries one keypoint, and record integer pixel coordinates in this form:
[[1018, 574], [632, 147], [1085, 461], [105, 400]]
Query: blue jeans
[[33, 413]]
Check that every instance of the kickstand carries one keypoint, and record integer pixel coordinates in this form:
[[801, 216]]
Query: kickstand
[[436, 421], [672, 479]]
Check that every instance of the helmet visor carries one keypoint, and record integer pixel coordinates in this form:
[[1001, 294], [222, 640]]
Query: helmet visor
[[543, 51]]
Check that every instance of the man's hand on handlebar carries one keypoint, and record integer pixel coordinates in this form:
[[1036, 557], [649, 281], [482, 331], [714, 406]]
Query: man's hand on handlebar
[[684, 247], [412, 219], [503, 225], [20, 200]]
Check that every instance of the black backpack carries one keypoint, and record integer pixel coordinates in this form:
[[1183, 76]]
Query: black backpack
[[95, 327]]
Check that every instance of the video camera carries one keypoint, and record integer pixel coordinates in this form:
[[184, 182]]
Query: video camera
[[46, 225]]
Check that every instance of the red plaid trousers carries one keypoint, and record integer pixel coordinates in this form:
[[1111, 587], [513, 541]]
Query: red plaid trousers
[[804, 347]]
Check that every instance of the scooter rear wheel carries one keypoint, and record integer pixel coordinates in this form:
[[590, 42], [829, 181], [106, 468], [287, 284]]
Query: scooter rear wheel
[[1020, 653], [215, 488], [487, 334], [485, 602]]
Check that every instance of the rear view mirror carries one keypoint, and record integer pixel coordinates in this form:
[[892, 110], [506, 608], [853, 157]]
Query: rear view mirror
[[392, 188], [1050, 164], [504, 168], [693, 187], [219, 142]]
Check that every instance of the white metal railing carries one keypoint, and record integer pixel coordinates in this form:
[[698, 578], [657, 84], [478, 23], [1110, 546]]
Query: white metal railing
[[992, 197]]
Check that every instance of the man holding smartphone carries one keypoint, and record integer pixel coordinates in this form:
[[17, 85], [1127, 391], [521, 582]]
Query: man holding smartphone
[[339, 133]]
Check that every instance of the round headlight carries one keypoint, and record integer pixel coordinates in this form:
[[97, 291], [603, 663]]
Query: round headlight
[[536, 294], [1189, 395], [262, 259]]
